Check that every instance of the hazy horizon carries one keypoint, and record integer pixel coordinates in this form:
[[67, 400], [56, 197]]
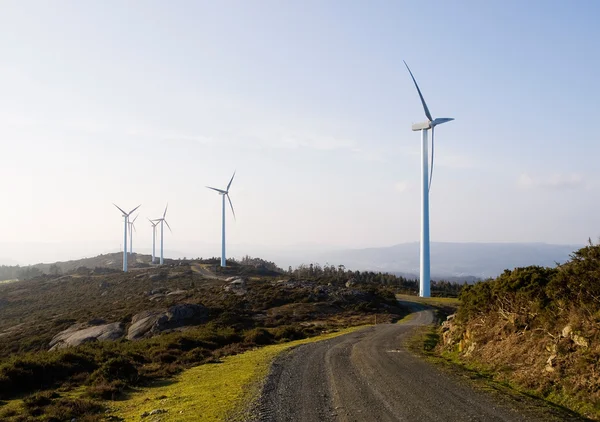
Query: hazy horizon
[[148, 102]]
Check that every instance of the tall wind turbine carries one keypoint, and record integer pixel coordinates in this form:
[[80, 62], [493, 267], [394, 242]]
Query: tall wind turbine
[[224, 193], [162, 237], [126, 218], [131, 230], [154, 224], [426, 176]]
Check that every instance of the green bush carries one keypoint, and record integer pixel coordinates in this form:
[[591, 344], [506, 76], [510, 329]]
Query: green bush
[[258, 336]]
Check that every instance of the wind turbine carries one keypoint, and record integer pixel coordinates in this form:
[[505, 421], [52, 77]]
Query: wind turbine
[[154, 224], [424, 127], [125, 217], [224, 193], [131, 229], [162, 237]]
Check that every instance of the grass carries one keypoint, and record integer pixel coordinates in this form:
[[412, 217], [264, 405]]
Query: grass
[[8, 281], [432, 301], [210, 392]]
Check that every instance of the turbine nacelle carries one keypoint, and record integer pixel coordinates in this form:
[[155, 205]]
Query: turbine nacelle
[[431, 124]]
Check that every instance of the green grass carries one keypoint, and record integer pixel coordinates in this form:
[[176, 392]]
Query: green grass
[[8, 281], [210, 392], [432, 301]]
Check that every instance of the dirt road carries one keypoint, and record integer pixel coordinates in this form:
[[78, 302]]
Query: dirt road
[[369, 376]]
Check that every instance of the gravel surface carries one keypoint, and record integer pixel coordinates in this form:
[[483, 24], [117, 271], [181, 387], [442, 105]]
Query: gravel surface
[[368, 375]]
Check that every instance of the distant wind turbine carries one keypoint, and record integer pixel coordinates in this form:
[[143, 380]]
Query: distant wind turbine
[[224, 193], [131, 230], [154, 224], [125, 217], [431, 123], [162, 236]]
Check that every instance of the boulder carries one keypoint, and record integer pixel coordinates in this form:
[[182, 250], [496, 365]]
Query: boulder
[[82, 333], [236, 286], [147, 323]]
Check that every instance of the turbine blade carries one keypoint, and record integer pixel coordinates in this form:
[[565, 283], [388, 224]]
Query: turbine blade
[[432, 151], [151, 222], [218, 190], [134, 209], [165, 213], [134, 229], [168, 226], [441, 120], [124, 213], [427, 113], [231, 205], [229, 184], [135, 219]]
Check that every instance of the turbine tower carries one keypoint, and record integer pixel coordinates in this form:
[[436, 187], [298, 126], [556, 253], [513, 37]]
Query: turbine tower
[[131, 230], [154, 224], [224, 193], [125, 218], [162, 237], [426, 176]]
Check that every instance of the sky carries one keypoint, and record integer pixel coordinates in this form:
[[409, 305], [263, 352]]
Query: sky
[[147, 102]]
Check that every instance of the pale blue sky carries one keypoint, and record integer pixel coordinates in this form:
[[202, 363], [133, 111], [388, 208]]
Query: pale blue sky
[[148, 102]]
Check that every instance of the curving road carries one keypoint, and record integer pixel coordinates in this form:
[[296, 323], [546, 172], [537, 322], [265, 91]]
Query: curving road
[[369, 376]]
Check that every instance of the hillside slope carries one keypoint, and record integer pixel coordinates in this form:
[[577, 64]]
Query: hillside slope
[[538, 327]]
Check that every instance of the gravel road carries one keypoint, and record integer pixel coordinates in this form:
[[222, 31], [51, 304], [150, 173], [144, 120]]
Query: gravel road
[[368, 375]]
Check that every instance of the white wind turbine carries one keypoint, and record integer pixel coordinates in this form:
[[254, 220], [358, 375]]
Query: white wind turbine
[[125, 217], [224, 193], [162, 236], [131, 230], [154, 224], [426, 176]]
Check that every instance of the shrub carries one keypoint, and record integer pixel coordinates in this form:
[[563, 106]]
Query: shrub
[[116, 369], [288, 332], [258, 336]]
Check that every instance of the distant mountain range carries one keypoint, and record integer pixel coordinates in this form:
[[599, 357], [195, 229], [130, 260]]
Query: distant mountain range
[[451, 260]]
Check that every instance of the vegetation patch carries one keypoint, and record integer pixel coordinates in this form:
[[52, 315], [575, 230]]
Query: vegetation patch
[[536, 329], [210, 392]]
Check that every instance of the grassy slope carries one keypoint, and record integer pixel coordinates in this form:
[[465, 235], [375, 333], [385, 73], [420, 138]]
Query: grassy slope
[[210, 392]]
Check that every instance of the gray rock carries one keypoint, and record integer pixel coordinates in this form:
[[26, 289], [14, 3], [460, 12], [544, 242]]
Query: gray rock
[[237, 286], [147, 323], [82, 333], [177, 292]]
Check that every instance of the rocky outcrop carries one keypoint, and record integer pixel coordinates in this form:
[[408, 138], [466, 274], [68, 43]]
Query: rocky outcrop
[[148, 323], [236, 286], [83, 333]]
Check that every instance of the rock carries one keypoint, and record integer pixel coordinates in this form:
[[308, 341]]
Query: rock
[[580, 340], [177, 292], [450, 317], [566, 332], [236, 286], [150, 322], [158, 290], [157, 412], [82, 333]]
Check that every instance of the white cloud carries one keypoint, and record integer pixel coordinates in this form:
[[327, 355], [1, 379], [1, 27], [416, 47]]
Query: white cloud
[[557, 181]]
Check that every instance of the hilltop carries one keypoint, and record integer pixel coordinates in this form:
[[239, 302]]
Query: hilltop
[[103, 331]]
